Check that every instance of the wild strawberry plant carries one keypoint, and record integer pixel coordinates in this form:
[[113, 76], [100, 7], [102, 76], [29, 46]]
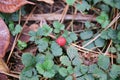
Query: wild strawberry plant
[[58, 59], [54, 60]]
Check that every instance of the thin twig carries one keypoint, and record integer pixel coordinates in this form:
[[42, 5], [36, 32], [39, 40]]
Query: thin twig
[[64, 13], [85, 49], [13, 46], [106, 52]]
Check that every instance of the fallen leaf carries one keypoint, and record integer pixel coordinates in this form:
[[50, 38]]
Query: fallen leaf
[[47, 1], [3, 66], [4, 38], [10, 6]]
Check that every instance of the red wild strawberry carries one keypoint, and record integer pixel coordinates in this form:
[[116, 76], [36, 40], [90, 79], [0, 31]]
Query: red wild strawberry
[[61, 41]]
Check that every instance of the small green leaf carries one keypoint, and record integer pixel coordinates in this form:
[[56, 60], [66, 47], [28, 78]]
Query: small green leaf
[[40, 68], [49, 55], [73, 36], [49, 74], [89, 77], [92, 68], [70, 2], [15, 16], [69, 40], [63, 72], [83, 6], [109, 2], [46, 68], [77, 61], [117, 47], [65, 33], [105, 24], [104, 35], [117, 2], [17, 29], [83, 69], [90, 46], [103, 19], [33, 36], [118, 58], [98, 73], [69, 78], [72, 52], [45, 30], [56, 49], [11, 26], [58, 26], [99, 42], [112, 33], [86, 35], [77, 71], [103, 62], [96, 1], [28, 59], [21, 45], [80, 78], [42, 45], [115, 71], [40, 58], [118, 35], [29, 74], [70, 70], [112, 50], [87, 24], [104, 7], [65, 60], [48, 64]]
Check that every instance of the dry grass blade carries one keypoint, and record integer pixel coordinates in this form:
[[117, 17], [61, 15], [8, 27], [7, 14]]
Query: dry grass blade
[[12, 75]]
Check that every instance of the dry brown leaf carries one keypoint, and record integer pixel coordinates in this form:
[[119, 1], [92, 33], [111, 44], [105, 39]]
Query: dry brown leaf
[[47, 1], [10, 6], [4, 38]]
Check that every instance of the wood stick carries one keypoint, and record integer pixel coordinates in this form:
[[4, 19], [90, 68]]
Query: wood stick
[[54, 16]]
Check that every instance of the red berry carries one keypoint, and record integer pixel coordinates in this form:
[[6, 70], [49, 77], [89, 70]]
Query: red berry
[[61, 41]]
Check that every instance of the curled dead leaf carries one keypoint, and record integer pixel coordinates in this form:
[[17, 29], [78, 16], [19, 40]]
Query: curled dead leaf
[[4, 38], [10, 6]]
